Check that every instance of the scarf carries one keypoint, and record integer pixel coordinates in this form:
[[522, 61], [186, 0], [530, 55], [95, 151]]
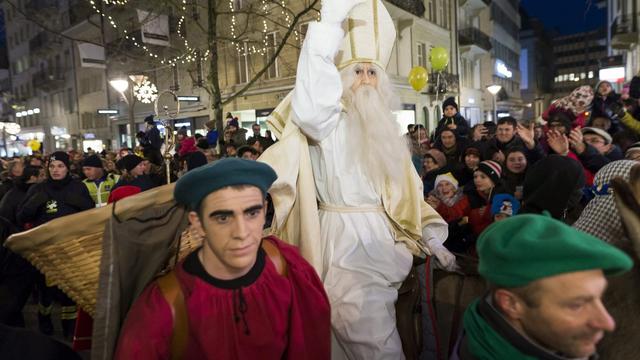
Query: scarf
[[484, 342], [449, 202]]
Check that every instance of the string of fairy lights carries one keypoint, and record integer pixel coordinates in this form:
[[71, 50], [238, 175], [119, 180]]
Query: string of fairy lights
[[192, 54]]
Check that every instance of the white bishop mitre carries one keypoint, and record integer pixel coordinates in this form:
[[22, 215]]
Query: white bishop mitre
[[369, 36]]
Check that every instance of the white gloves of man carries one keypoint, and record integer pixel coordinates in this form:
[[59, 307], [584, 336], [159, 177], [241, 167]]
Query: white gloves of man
[[446, 259], [335, 11], [434, 236]]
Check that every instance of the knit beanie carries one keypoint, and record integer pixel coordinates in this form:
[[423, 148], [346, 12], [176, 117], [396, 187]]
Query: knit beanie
[[92, 161], [449, 102], [437, 156], [60, 156], [597, 131], [446, 177], [233, 122], [129, 162], [492, 169]]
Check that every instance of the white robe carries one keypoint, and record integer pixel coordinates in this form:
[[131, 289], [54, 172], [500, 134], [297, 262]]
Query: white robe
[[363, 263]]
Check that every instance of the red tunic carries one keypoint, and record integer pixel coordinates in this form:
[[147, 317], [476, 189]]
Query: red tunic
[[284, 317]]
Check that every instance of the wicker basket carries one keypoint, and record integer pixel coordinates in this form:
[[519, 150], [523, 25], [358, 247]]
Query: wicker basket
[[68, 250]]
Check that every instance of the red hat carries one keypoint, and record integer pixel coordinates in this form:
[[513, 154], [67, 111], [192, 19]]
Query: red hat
[[123, 192]]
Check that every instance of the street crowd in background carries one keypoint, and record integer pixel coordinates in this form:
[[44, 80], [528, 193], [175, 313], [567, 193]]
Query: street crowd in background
[[472, 176]]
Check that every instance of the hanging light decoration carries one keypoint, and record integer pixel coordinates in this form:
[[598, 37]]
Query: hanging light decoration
[[145, 92]]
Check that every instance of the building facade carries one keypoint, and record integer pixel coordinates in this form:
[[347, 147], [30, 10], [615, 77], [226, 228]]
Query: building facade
[[536, 67], [623, 21], [489, 55], [578, 58], [57, 92]]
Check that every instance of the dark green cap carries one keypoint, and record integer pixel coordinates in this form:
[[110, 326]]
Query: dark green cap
[[196, 184], [524, 248]]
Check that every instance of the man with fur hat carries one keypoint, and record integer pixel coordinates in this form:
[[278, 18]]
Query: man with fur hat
[[451, 119], [546, 282], [240, 295], [339, 148]]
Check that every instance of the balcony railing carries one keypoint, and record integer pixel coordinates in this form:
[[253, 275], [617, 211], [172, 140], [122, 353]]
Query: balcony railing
[[448, 83], [44, 41], [49, 79], [41, 5], [624, 24], [473, 36], [416, 7]]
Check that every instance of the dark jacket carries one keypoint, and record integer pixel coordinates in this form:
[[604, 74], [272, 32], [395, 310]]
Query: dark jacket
[[593, 161], [5, 186], [10, 203], [462, 126], [53, 199], [553, 184], [152, 138], [144, 182]]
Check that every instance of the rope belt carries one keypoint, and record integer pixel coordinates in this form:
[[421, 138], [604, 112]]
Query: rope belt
[[350, 209]]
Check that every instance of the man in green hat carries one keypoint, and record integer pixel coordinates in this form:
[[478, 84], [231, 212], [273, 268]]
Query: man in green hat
[[546, 282], [239, 296]]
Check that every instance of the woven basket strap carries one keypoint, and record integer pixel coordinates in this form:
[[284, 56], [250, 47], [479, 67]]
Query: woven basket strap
[[275, 256], [172, 293]]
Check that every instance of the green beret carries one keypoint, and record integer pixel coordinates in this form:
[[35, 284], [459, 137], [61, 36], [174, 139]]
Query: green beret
[[519, 250], [196, 184]]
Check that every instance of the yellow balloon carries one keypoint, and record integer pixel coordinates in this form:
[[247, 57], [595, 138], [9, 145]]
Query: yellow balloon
[[34, 145], [439, 58], [418, 78]]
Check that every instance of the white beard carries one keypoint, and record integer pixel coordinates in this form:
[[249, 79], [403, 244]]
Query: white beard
[[374, 142]]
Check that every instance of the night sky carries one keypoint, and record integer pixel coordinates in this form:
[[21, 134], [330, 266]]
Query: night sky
[[566, 16]]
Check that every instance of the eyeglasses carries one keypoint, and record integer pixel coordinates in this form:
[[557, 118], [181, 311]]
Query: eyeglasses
[[593, 141]]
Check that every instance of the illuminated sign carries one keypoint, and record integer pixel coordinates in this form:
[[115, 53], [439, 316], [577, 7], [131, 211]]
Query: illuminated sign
[[108, 112], [612, 74], [188, 98], [502, 70]]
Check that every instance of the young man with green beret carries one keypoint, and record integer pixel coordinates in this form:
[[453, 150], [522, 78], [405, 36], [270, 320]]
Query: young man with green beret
[[545, 299], [245, 296]]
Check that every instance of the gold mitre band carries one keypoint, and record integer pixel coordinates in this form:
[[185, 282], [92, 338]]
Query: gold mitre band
[[369, 36]]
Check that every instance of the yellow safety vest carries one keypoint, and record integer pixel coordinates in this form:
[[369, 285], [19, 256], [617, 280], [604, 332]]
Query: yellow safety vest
[[100, 194]]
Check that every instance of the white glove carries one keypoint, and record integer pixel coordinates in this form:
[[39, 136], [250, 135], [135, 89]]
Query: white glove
[[336, 11], [446, 259]]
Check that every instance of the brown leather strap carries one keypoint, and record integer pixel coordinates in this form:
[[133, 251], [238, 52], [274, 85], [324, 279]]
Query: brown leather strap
[[172, 293], [275, 256], [174, 296]]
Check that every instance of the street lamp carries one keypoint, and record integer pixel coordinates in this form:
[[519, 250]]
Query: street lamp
[[494, 90], [121, 85]]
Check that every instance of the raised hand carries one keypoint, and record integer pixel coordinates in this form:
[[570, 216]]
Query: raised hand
[[527, 135], [558, 142], [576, 141], [336, 11]]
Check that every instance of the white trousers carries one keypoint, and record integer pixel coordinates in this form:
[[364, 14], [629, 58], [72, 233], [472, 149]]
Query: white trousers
[[365, 268]]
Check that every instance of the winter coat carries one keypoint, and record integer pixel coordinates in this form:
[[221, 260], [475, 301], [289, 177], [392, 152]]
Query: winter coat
[[593, 161], [10, 203], [553, 184], [152, 138], [479, 212], [462, 126], [5, 186], [144, 182], [53, 199]]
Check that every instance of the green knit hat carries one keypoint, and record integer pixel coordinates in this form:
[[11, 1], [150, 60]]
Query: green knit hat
[[519, 250], [196, 184]]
